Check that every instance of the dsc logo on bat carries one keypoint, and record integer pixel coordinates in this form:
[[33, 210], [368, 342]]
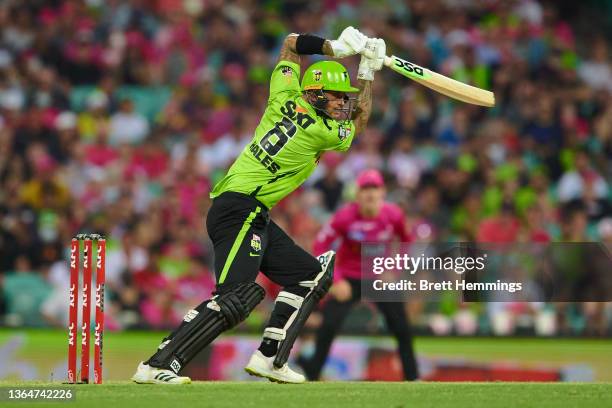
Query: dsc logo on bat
[[410, 68]]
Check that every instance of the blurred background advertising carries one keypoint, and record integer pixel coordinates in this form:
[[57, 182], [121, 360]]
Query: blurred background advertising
[[117, 117]]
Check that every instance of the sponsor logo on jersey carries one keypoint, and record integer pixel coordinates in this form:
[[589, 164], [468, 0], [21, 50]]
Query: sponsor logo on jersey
[[298, 114], [358, 236], [278, 136]]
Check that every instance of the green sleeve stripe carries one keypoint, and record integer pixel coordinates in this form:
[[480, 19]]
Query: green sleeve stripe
[[237, 243]]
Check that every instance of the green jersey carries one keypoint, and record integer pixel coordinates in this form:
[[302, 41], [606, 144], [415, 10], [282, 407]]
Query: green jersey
[[287, 145]]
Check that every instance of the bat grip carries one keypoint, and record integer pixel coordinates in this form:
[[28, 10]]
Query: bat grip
[[388, 61]]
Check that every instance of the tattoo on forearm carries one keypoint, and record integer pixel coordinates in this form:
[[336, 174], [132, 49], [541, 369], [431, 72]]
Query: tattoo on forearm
[[364, 106], [288, 52]]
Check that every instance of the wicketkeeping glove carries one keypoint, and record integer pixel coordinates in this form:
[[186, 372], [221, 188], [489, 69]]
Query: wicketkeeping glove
[[350, 42], [372, 58]]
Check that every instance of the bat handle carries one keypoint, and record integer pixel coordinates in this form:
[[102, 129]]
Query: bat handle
[[388, 61]]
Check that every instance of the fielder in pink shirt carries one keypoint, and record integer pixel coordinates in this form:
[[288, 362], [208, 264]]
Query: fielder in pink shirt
[[349, 227], [368, 219]]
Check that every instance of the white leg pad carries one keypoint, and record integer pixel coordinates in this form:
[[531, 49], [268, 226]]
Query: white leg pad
[[291, 299], [274, 333]]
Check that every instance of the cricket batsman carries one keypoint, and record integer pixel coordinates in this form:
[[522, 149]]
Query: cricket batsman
[[368, 219], [301, 122]]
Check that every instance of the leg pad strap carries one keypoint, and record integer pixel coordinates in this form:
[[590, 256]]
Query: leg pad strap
[[203, 324]]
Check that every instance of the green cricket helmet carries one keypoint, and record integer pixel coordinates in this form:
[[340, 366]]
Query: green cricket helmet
[[327, 76]]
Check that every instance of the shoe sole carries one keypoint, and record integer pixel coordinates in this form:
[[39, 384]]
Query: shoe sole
[[159, 382], [272, 379]]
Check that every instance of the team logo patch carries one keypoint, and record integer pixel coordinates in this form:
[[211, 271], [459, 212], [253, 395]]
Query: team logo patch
[[317, 75], [256, 242], [343, 132], [287, 71]]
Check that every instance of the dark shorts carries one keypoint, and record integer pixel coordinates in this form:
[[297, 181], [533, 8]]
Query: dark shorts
[[246, 241]]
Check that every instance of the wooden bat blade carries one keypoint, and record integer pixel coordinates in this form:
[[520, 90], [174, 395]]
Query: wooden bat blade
[[440, 83]]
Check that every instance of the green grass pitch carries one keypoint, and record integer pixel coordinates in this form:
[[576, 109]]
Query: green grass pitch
[[46, 348], [122, 351], [335, 395]]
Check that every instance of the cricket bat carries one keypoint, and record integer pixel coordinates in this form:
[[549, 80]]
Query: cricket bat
[[440, 83]]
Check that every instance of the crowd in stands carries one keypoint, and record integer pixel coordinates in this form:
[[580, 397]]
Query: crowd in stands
[[117, 117]]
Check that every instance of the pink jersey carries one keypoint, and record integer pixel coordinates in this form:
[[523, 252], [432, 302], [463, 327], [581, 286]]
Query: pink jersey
[[350, 229]]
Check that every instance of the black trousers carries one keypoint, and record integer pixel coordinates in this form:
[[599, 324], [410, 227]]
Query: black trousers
[[246, 241], [334, 313]]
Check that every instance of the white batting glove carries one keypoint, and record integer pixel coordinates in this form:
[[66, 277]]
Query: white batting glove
[[350, 42], [372, 58]]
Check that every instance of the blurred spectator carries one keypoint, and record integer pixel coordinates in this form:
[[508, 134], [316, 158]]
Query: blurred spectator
[[329, 185], [24, 290], [596, 71], [127, 126], [117, 117], [502, 228], [582, 181]]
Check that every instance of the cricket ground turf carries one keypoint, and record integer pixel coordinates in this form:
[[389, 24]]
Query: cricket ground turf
[[332, 395]]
